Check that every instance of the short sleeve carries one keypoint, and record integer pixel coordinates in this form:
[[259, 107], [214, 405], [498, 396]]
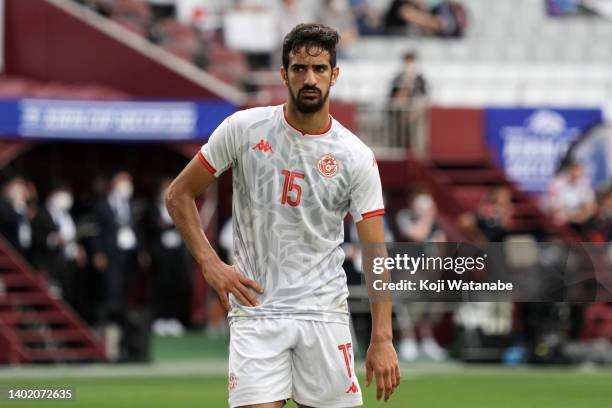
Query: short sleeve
[[218, 154], [366, 191]]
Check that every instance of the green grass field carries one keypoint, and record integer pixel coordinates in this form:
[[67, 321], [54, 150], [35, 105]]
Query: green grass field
[[190, 372], [456, 387]]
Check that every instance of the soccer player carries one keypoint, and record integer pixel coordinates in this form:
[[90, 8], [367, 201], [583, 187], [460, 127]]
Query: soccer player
[[296, 173]]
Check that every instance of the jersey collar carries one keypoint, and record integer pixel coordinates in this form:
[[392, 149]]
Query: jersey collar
[[322, 133]]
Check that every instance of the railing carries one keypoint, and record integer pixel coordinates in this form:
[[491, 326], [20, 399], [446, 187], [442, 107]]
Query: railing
[[395, 126]]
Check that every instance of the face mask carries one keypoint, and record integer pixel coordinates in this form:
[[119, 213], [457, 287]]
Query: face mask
[[62, 200], [124, 189]]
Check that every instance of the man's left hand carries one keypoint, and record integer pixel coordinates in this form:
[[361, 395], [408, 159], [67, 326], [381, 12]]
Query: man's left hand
[[381, 363]]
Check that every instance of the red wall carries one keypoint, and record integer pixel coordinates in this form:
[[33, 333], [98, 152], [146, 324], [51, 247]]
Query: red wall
[[45, 43], [456, 134]]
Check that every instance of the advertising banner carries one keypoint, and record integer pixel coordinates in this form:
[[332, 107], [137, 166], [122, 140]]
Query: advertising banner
[[530, 143], [111, 120]]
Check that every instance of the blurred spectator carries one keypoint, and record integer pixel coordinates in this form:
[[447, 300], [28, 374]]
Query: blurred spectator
[[367, 17], [116, 255], [253, 28], [410, 17], [116, 243], [417, 223], [337, 14], [163, 8], [571, 199], [55, 246], [452, 18], [407, 101], [172, 267], [494, 214], [491, 220], [419, 318], [408, 84], [14, 212]]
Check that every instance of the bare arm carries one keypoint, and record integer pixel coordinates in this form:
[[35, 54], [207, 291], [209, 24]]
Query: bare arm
[[180, 201], [381, 359]]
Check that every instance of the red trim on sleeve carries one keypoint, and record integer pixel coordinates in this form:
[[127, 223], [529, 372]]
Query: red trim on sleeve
[[206, 163], [373, 213]]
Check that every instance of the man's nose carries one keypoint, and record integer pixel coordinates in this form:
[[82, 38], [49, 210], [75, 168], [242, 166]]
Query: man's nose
[[310, 78]]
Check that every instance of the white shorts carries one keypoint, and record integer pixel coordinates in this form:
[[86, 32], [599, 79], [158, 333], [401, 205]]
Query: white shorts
[[308, 361]]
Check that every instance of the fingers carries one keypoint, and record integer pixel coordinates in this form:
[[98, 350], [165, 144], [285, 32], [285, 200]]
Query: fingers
[[388, 384], [398, 376], [387, 381], [380, 385], [223, 297], [251, 283], [244, 295], [232, 281]]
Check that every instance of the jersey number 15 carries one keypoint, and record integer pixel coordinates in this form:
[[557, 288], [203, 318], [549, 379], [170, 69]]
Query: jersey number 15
[[290, 185]]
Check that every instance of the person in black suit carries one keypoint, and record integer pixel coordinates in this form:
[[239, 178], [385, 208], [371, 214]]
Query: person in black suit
[[116, 244], [54, 242], [14, 215]]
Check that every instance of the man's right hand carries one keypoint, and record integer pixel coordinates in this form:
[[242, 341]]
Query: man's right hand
[[226, 279]]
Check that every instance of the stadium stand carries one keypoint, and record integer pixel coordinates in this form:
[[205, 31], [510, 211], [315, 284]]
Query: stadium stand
[[512, 54], [35, 326]]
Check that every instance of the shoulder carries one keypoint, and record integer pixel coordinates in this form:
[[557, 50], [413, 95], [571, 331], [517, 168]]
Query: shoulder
[[355, 146], [246, 118]]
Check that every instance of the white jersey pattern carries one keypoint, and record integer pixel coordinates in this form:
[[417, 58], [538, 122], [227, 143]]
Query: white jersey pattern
[[291, 192]]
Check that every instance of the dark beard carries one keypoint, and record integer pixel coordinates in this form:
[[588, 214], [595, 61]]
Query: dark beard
[[308, 108]]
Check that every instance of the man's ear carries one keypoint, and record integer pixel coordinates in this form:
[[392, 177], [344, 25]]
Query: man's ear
[[283, 74], [335, 74]]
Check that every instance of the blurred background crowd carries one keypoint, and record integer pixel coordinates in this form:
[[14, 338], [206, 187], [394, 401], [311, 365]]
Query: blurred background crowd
[[489, 120]]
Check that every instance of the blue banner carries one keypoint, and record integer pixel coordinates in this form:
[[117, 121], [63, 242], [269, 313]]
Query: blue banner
[[111, 120], [530, 143]]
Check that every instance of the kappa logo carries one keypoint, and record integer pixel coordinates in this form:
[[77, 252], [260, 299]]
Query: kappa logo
[[328, 165], [232, 381], [352, 389], [263, 145]]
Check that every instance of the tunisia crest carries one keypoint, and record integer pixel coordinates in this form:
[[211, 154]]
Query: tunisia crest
[[328, 165]]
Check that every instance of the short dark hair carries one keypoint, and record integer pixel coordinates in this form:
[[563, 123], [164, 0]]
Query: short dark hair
[[410, 56], [311, 36]]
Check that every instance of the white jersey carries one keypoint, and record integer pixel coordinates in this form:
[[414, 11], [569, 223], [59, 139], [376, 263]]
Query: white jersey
[[291, 193]]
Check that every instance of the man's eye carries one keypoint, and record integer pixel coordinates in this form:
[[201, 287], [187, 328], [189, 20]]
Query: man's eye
[[320, 69], [298, 69]]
